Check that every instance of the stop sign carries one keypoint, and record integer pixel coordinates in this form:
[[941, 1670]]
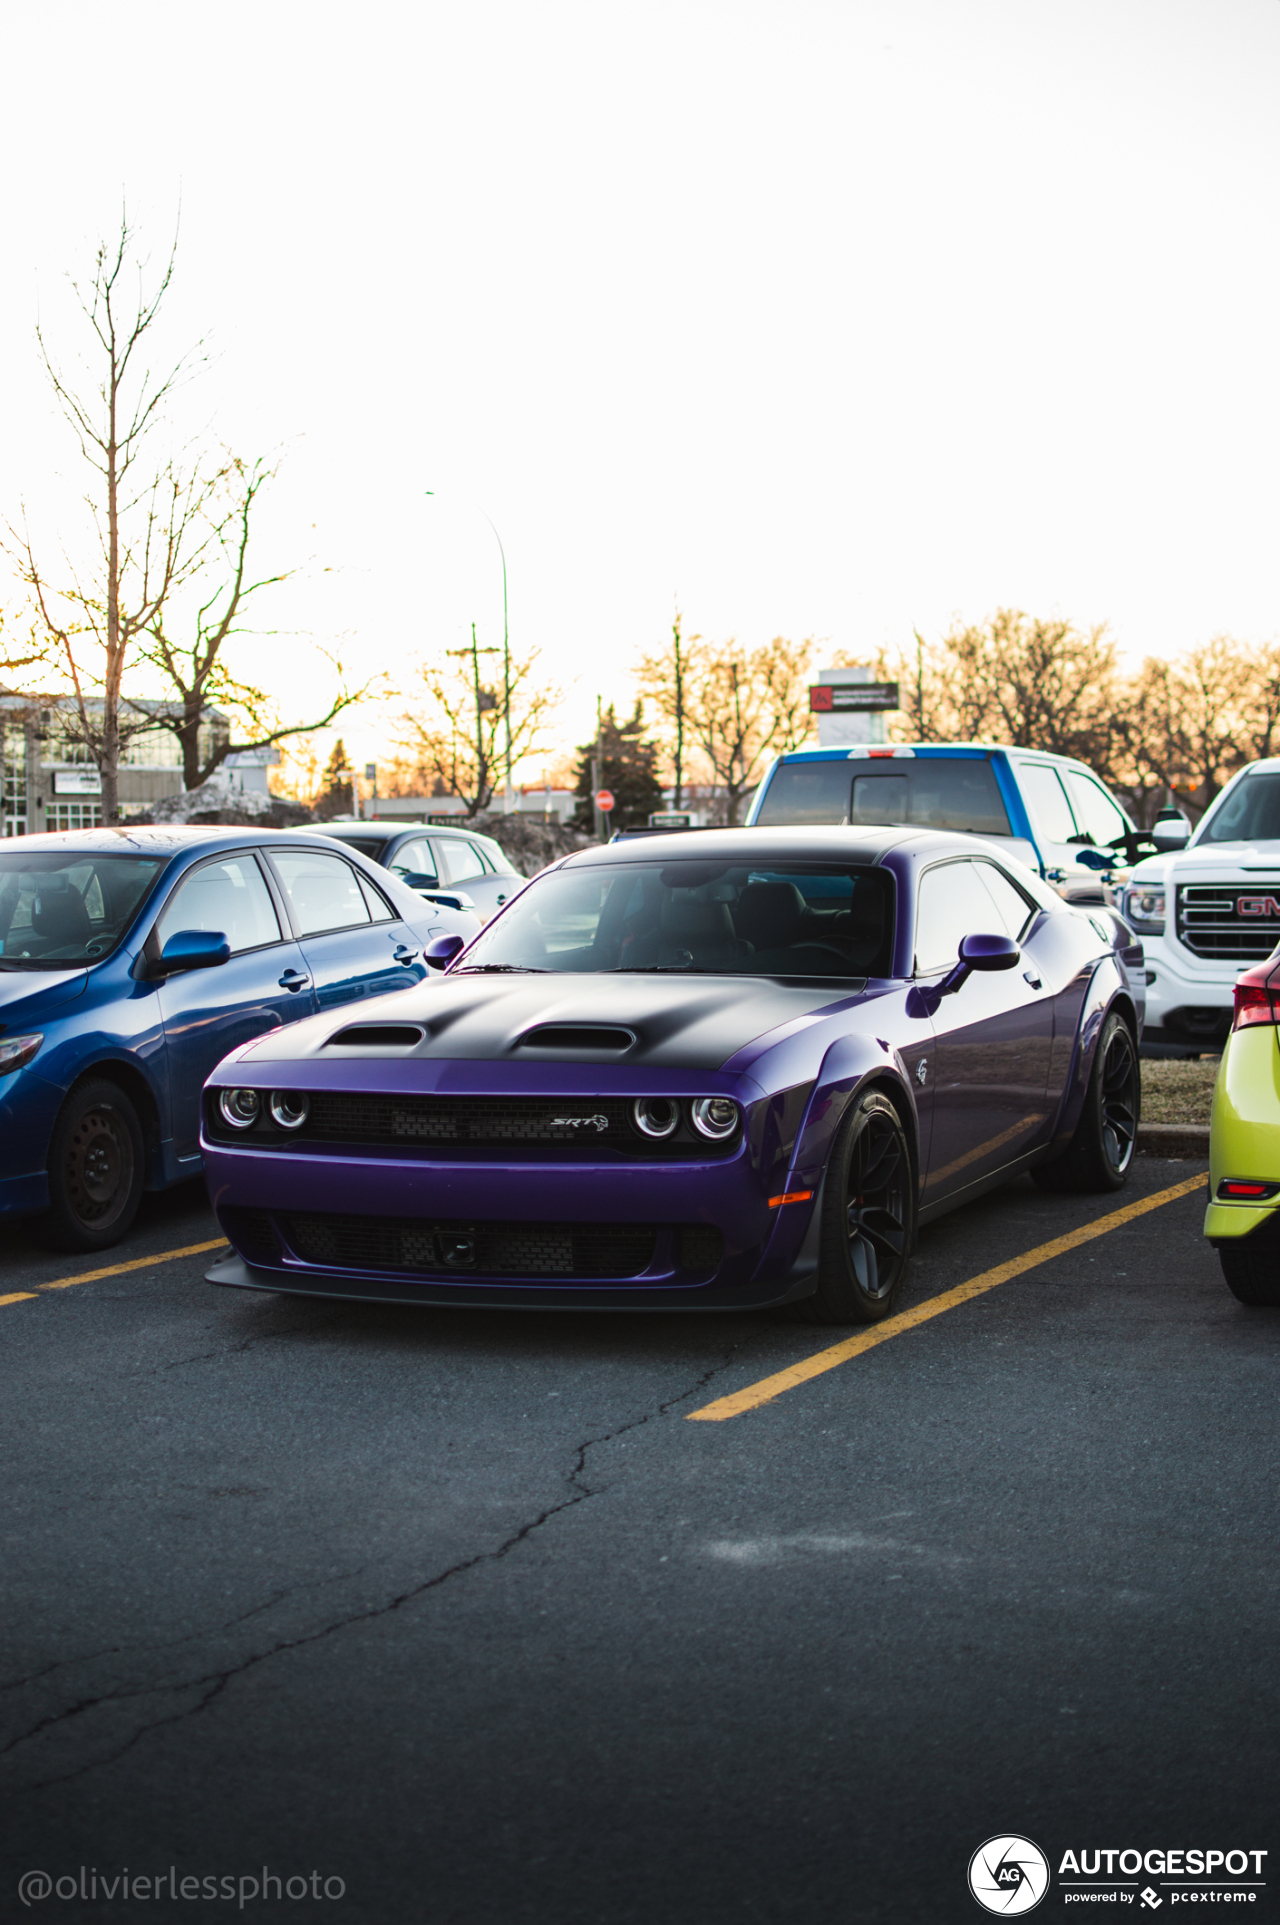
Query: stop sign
[[604, 800]]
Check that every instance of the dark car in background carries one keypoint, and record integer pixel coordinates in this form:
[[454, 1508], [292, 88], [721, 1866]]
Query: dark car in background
[[132, 960], [463, 869]]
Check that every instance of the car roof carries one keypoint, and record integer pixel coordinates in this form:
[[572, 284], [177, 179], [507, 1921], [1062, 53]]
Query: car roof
[[388, 829], [795, 843], [158, 839], [856, 751]]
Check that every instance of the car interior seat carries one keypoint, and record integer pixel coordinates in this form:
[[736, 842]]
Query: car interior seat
[[58, 912]]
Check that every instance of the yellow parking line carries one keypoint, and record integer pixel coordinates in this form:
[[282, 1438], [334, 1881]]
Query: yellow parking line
[[117, 1269], [770, 1387]]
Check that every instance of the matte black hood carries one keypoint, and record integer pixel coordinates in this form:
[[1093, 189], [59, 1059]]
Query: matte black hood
[[661, 1021]]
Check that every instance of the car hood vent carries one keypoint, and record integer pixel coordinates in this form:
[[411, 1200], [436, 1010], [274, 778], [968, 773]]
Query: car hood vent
[[591, 1036], [378, 1036]]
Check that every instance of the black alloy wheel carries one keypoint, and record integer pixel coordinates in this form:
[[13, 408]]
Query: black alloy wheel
[[1099, 1154], [95, 1169], [868, 1218]]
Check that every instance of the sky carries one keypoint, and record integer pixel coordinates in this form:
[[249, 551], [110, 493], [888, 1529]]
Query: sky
[[830, 318]]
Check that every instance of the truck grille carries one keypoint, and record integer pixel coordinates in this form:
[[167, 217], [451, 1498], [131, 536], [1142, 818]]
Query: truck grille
[[1229, 922], [426, 1247]]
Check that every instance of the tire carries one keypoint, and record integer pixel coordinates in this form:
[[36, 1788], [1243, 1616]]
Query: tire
[[868, 1218], [1252, 1272], [95, 1169], [1100, 1153]]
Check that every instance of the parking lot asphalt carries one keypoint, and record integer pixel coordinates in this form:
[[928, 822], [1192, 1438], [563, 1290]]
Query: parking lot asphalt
[[459, 1611]]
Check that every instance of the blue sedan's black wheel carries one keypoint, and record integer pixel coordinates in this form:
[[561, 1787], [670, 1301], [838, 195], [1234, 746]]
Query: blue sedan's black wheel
[[868, 1218], [1099, 1154], [95, 1169]]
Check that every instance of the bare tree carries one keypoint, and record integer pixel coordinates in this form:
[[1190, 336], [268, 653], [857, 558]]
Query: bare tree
[[456, 737], [744, 706], [172, 538], [195, 667]]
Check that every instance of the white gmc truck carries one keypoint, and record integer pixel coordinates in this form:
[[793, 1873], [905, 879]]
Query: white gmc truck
[[1209, 909]]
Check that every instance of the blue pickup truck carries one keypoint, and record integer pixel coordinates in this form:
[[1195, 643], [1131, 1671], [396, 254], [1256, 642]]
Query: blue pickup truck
[[1047, 811]]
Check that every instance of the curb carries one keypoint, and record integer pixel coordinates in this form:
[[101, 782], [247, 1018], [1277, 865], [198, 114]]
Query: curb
[[1173, 1139]]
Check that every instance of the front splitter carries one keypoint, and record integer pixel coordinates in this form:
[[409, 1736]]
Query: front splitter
[[234, 1273]]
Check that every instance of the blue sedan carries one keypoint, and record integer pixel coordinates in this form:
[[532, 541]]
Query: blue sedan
[[132, 960]]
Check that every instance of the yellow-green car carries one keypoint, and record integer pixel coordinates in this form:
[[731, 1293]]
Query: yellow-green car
[[1243, 1218]]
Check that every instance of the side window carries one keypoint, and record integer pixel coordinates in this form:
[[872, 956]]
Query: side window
[[1047, 801], [415, 864], [379, 910], [459, 861], [948, 908], [1096, 813], [1012, 910], [323, 891], [229, 895]]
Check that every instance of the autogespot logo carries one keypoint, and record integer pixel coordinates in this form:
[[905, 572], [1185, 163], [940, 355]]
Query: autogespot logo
[[1008, 1875]]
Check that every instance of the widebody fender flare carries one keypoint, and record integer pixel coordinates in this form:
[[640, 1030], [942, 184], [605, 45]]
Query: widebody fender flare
[[1107, 990]]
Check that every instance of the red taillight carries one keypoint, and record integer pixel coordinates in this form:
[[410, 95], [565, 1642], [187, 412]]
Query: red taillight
[[1229, 1187], [1255, 998]]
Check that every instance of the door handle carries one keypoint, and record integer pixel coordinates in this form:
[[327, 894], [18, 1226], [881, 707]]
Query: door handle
[[404, 956], [294, 979]]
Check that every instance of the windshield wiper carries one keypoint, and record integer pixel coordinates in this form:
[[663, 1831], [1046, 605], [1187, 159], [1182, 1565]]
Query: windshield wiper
[[666, 969], [497, 969]]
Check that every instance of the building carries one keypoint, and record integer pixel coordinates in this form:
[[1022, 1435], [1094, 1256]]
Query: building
[[51, 780], [546, 804]]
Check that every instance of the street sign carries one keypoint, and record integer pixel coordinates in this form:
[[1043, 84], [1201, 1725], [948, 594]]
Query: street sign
[[604, 800], [370, 771], [853, 698], [670, 819]]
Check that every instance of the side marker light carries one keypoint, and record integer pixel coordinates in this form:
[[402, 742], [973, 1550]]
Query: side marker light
[[790, 1196]]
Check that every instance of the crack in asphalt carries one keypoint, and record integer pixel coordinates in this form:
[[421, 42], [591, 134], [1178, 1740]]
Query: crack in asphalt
[[215, 1683]]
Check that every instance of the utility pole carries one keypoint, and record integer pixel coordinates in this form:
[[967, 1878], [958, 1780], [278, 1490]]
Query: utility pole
[[597, 815], [508, 793], [484, 703], [679, 666]]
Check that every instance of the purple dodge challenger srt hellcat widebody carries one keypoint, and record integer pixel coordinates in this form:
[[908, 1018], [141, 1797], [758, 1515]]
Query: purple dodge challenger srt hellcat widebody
[[713, 1071]]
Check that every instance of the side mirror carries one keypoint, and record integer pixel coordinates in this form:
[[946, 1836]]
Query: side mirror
[[442, 950], [989, 952], [193, 949], [1171, 831], [976, 952], [449, 898]]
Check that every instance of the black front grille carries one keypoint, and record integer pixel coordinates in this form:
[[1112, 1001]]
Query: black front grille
[[489, 1249], [574, 1126], [1228, 922], [252, 1233]]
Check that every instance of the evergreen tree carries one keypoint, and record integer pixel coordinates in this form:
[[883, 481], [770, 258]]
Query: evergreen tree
[[628, 766], [335, 796]]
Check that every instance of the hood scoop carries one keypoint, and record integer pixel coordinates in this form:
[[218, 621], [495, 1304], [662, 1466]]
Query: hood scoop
[[378, 1036], [597, 1037]]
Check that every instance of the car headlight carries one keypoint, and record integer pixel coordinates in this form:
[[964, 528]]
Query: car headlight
[[289, 1108], [714, 1116], [239, 1107], [655, 1115], [17, 1050], [1144, 909]]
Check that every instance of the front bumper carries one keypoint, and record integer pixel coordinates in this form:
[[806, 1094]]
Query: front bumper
[[1188, 1001], [761, 1250]]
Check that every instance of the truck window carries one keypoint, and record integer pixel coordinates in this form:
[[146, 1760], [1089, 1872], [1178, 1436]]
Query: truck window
[[1047, 801], [1096, 813], [933, 792]]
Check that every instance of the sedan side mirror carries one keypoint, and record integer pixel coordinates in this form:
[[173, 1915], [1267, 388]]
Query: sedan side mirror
[[442, 950], [193, 949]]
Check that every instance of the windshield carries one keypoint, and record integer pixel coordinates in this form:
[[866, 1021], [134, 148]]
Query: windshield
[[933, 792], [784, 920], [1251, 813], [64, 910]]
